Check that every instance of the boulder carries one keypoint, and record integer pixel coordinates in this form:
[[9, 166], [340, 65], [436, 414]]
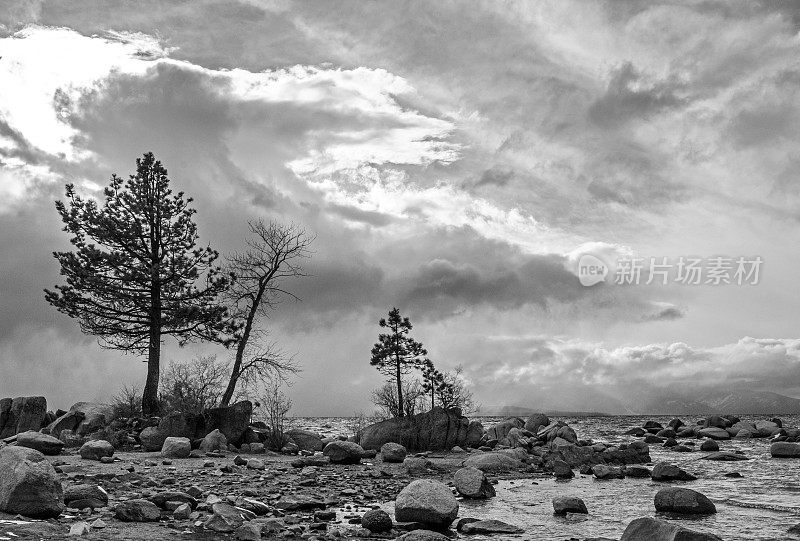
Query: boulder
[[85, 496], [709, 445], [725, 456], [636, 431], [684, 501], [416, 465], [377, 521], [176, 448], [68, 421], [766, 429], [785, 449], [233, 421], [488, 527], [343, 452], [423, 535], [43, 443], [96, 449], [637, 471], [427, 501], [501, 429], [568, 504], [305, 439], [604, 471], [472, 483], [714, 433], [152, 439], [29, 485], [716, 421], [650, 529], [137, 511], [663, 471], [214, 441], [536, 421], [95, 416], [435, 430], [393, 452], [182, 425], [492, 462], [22, 414], [562, 470]]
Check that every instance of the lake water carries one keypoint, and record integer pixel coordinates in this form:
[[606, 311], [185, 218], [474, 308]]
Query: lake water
[[761, 505]]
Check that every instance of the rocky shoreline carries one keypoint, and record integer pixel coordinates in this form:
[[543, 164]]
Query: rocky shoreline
[[78, 474]]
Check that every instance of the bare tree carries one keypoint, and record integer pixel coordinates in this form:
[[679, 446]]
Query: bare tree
[[275, 405], [274, 255], [194, 386], [453, 392], [385, 398], [127, 403]]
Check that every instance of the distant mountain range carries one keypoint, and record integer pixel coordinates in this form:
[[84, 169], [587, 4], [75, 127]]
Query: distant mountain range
[[734, 402]]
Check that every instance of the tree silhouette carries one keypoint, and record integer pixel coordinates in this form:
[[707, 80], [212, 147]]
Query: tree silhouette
[[396, 353], [136, 273]]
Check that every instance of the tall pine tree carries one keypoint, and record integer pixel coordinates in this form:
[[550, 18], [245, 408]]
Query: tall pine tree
[[396, 353], [137, 274]]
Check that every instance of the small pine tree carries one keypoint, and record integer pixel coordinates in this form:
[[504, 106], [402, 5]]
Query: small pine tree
[[396, 353], [137, 274]]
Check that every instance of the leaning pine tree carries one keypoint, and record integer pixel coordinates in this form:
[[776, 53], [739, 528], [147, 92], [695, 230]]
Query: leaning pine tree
[[136, 274], [396, 353]]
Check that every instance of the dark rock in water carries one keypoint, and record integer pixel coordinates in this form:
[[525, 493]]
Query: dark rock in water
[[43, 443], [734, 474], [435, 430], [785, 449], [377, 521], [393, 452], [683, 500], [664, 471], [650, 529], [137, 511], [536, 421], [427, 501], [794, 529], [343, 452], [666, 433], [682, 449], [423, 535], [487, 527], [709, 445], [725, 456], [305, 439], [568, 504], [675, 424], [96, 449], [636, 431], [232, 420], [652, 426], [492, 462], [83, 496], [29, 485], [671, 442], [472, 483], [651, 438]]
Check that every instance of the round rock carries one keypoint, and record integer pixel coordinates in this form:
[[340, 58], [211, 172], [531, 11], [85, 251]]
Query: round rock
[[427, 501]]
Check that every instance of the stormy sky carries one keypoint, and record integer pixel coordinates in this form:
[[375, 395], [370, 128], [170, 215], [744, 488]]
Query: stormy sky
[[453, 159]]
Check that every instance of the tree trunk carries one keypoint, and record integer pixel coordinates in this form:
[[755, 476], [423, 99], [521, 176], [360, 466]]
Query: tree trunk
[[240, 347], [150, 405], [400, 405]]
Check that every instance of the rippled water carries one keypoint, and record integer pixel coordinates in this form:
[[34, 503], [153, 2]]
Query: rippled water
[[761, 505]]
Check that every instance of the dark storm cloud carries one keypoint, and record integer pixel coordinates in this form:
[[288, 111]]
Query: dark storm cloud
[[495, 176], [356, 214], [669, 313]]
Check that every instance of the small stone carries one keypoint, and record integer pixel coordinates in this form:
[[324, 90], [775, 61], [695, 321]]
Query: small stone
[[377, 521], [182, 512], [79, 528], [137, 511], [250, 531]]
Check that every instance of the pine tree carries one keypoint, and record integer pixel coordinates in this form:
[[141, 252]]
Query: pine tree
[[396, 353], [136, 273]]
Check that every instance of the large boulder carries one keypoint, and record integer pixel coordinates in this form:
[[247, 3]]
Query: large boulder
[[343, 452], [714, 433], [68, 421], [22, 414], [137, 511], [43, 443], [96, 449], [683, 500], [85, 496], [435, 430], [427, 501], [152, 438], [785, 449], [568, 504], [214, 441], [492, 462], [232, 420], [176, 448], [96, 416], [650, 529], [305, 439], [29, 485], [766, 429], [472, 483], [393, 452], [501, 429], [536, 421]]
